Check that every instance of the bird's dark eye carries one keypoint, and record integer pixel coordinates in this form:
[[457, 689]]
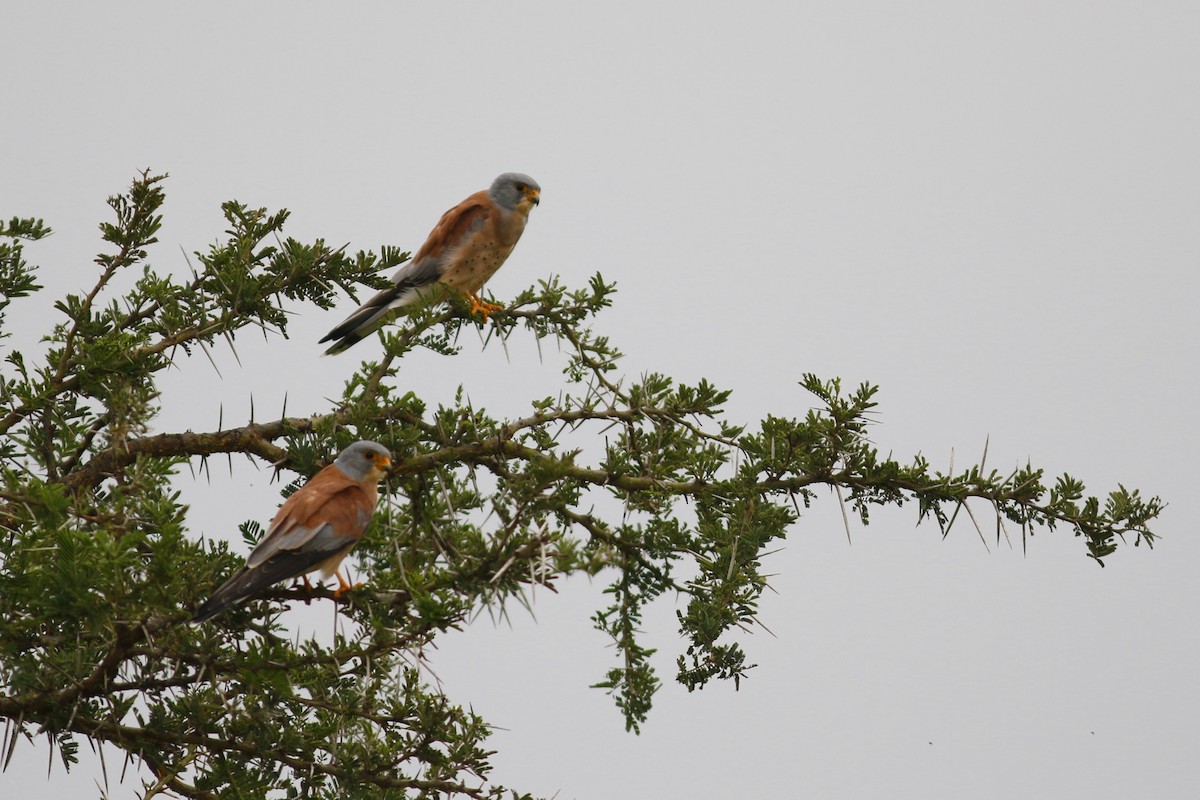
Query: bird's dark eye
[[521, 187]]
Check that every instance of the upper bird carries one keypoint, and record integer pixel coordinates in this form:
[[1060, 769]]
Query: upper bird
[[314, 530], [466, 247]]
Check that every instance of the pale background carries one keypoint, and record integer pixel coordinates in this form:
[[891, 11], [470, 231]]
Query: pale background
[[991, 209]]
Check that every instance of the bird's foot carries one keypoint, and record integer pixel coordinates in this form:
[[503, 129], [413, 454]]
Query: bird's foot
[[301, 582], [481, 306], [343, 587]]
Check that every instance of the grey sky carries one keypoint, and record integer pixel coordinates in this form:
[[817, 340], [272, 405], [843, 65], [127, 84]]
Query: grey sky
[[989, 209]]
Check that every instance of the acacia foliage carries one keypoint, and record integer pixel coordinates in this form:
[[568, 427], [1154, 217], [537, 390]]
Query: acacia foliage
[[99, 573]]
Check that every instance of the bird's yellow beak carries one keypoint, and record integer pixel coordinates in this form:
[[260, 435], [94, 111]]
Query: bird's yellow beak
[[534, 196]]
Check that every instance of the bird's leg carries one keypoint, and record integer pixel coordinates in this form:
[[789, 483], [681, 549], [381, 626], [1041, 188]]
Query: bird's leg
[[302, 581], [481, 306]]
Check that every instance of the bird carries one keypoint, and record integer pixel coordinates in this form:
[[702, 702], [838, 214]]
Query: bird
[[314, 530], [466, 247]]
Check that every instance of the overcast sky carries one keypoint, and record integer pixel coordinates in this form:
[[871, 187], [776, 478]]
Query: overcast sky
[[991, 209]]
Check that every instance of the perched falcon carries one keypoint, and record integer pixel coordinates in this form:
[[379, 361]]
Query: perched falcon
[[466, 247], [314, 530]]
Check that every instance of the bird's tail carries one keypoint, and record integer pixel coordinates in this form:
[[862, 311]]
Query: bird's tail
[[363, 322], [230, 593], [379, 310], [242, 586], [346, 341]]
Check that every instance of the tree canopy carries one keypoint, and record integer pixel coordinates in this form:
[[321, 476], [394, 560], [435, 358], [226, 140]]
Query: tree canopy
[[643, 483]]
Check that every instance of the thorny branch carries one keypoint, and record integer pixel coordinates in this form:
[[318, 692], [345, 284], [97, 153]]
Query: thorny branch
[[98, 567]]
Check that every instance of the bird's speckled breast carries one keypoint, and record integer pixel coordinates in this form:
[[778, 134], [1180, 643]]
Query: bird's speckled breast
[[481, 256]]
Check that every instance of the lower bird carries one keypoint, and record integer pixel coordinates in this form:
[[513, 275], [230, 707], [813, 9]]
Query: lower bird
[[314, 530], [470, 242]]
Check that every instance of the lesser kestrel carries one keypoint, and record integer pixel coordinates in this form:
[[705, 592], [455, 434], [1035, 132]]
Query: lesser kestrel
[[465, 248], [314, 530]]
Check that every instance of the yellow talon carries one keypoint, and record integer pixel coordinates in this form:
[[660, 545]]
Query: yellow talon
[[343, 586], [481, 306]]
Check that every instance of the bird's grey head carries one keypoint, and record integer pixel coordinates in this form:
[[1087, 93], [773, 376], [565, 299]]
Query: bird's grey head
[[362, 458], [511, 188]]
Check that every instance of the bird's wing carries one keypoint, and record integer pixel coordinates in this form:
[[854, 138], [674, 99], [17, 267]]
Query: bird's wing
[[284, 564], [454, 228], [326, 514], [321, 521]]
